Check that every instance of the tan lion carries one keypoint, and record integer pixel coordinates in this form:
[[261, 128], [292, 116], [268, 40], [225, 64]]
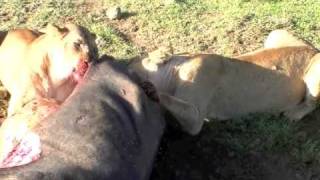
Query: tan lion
[[276, 79], [40, 70], [44, 64]]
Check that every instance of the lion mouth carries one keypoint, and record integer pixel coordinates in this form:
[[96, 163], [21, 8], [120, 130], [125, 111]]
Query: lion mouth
[[81, 69]]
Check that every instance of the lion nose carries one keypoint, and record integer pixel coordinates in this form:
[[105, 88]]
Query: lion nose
[[87, 58]]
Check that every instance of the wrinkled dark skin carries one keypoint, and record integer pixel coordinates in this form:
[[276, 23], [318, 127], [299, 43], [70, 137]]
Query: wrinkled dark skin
[[150, 90], [108, 129]]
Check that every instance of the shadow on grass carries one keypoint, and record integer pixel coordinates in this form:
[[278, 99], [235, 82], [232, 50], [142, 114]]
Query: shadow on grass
[[258, 147]]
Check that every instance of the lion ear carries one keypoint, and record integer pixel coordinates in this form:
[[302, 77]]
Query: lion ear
[[55, 31], [161, 55], [149, 65]]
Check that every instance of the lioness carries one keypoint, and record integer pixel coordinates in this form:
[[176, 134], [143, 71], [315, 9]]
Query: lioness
[[195, 87], [19, 145], [44, 64], [302, 62]]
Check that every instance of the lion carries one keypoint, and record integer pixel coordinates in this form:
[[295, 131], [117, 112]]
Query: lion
[[40, 70], [44, 64], [17, 129], [303, 62], [194, 87]]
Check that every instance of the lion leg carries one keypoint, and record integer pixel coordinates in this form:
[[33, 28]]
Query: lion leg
[[312, 81], [302, 109], [12, 128], [187, 114], [282, 38], [18, 144]]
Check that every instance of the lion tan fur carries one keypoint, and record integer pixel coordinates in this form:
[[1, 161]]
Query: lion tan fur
[[38, 69], [34, 64], [279, 78]]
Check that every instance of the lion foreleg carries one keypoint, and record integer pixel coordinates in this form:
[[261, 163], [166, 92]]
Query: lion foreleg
[[312, 81], [187, 114]]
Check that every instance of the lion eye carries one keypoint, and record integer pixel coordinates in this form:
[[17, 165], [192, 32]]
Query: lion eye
[[77, 46]]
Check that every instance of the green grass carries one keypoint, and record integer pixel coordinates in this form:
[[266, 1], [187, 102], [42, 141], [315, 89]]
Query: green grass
[[220, 26], [228, 27], [215, 26]]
